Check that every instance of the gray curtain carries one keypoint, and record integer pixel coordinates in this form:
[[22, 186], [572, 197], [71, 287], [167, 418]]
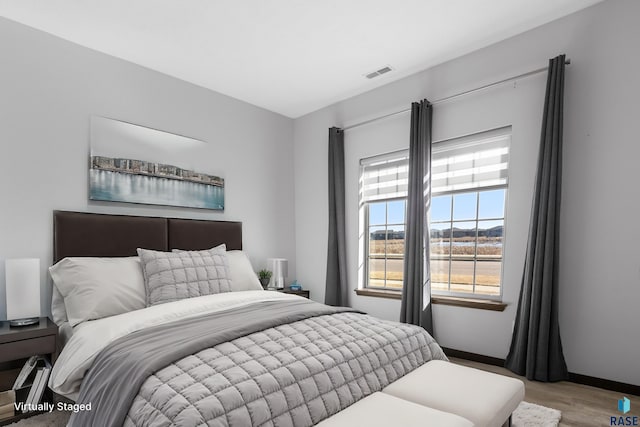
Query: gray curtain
[[536, 349], [336, 286], [416, 285]]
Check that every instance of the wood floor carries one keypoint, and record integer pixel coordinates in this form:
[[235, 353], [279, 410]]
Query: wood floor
[[581, 405]]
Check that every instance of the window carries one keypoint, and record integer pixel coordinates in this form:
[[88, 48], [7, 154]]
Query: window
[[383, 193], [386, 243], [467, 215], [467, 212], [467, 231]]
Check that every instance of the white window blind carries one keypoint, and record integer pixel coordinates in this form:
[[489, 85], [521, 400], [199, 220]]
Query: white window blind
[[384, 177], [475, 161]]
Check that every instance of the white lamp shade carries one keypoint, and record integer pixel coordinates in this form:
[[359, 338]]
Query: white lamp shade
[[23, 288], [279, 267]]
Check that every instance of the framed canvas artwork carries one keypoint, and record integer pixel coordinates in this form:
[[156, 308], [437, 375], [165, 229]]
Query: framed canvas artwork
[[134, 164]]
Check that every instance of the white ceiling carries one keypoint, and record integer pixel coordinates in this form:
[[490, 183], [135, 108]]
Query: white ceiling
[[288, 56]]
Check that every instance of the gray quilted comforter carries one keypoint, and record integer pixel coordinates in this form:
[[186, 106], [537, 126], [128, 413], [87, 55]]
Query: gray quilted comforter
[[309, 363]]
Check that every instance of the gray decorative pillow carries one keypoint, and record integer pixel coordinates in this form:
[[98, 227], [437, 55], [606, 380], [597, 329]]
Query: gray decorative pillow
[[173, 276]]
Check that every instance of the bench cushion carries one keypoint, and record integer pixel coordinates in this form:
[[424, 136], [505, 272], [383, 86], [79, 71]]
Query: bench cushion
[[384, 410], [485, 398]]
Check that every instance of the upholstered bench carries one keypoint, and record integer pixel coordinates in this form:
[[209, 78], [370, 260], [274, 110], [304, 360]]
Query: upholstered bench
[[384, 410], [486, 399]]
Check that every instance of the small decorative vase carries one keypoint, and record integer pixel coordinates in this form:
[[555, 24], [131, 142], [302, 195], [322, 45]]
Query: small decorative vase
[[265, 283]]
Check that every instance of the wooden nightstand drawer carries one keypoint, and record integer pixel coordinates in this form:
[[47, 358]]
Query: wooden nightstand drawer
[[29, 347]]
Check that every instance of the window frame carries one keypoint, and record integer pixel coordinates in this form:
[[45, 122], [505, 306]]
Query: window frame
[[367, 240], [474, 295], [439, 292]]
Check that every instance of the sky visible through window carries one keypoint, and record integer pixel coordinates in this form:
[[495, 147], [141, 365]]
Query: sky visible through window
[[394, 210], [491, 206]]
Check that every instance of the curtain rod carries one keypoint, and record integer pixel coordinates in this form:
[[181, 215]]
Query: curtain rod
[[457, 95]]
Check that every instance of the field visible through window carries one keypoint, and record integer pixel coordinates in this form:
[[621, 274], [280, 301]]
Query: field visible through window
[[487, 274]]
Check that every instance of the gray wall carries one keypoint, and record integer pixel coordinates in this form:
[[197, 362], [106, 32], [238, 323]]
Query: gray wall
[[600, 268], [48, 90]]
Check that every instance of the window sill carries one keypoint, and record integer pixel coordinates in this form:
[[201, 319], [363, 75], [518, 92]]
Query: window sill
[[438, 299], [481, 304], [380, 293]]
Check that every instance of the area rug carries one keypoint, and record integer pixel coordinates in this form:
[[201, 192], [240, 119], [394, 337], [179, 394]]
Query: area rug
[[532, 415], [526, 415]]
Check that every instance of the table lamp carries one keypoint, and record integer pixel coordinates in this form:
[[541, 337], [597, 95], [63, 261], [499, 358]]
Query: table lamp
[[279, 267], [23, 291]]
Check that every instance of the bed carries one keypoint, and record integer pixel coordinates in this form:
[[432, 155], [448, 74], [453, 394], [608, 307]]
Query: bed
[[224, 357]]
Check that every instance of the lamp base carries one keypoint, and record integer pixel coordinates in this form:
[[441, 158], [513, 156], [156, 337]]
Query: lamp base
[[24, 322]]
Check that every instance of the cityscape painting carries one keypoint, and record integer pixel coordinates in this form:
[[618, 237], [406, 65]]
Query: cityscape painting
[[134, 164]]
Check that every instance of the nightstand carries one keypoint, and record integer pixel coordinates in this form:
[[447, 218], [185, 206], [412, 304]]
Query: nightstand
[[302, 293], [19, 343]]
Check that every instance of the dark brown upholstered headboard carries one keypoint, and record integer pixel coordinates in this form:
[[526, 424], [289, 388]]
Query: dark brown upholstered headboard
[[102, 235], [196, 235]]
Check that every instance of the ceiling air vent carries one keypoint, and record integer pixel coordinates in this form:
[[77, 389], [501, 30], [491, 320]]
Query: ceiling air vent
[[379, 72]]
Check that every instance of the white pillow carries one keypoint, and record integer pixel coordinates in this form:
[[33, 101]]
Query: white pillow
[[58, 310], [243, 278], [94, 288]]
